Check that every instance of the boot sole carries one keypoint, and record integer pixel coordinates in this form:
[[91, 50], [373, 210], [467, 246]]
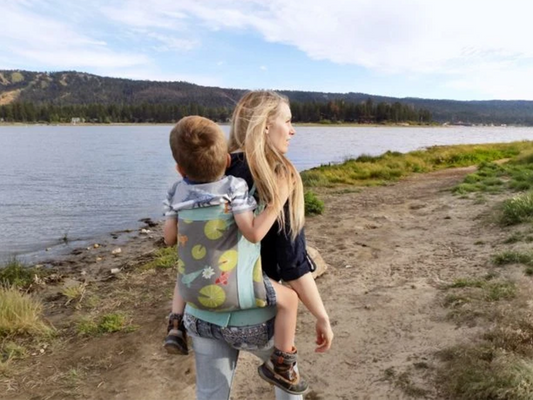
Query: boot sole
[[173, 348], [274, 382]]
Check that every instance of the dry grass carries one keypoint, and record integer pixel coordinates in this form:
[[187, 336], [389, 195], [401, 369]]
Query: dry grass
[[75, 293], [21, 314]]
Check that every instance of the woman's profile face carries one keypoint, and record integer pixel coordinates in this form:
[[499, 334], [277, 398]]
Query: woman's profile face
[[280, 130]]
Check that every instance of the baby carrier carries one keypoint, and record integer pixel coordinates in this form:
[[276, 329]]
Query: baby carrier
[[218, 269]]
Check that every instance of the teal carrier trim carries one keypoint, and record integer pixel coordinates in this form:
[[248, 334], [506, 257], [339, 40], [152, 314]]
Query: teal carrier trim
[[252, 316]]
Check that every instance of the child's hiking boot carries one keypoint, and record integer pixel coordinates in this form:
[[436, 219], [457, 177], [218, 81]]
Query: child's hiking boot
[[176, 340], [279, 370]]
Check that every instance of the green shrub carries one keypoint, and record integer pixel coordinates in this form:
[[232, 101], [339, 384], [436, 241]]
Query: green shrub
[[108, 323], [14, 273], [313, 205], [517, 209]]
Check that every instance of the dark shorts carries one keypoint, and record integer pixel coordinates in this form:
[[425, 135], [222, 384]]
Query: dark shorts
[[270, 292]]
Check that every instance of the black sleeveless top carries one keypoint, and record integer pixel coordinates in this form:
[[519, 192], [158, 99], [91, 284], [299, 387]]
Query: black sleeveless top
[[281, 257]]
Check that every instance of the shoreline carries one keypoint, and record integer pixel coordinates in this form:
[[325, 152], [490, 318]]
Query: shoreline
[[301, 124]]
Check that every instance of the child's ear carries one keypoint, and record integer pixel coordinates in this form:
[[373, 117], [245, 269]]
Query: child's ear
[[228, 161], [180, 170]]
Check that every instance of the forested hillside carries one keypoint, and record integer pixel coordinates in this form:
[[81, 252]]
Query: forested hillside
[[60, 96]]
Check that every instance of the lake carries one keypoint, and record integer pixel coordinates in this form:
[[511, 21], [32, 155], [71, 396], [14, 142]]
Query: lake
[[87, 181]]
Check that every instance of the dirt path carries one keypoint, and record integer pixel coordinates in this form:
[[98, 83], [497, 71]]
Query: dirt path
[[388, 249]]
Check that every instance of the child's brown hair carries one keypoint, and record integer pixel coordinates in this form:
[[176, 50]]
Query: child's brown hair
[[200, 148]]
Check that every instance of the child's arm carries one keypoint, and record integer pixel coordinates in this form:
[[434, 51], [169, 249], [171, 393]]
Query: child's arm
[[254, 228], [170, 231], [178, 304]]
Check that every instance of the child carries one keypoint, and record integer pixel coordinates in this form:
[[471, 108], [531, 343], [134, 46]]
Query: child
[[199, 148]]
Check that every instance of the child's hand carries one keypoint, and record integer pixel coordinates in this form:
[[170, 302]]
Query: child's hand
[[324, 335]]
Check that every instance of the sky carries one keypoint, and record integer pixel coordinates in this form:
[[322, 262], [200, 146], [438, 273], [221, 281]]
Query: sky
[[452, 49]]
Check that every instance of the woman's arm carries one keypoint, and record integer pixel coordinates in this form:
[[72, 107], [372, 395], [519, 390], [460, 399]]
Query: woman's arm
[[307, 290]]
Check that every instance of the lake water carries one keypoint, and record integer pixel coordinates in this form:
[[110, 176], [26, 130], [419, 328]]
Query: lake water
[[85, 182]]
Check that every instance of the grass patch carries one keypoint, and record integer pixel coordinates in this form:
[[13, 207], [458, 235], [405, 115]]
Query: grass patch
[[512, 257], [392, 166], [108, 323], [484, 372], [490, 290], [166, 257], [20, 314], [15, 273], [313, 205]]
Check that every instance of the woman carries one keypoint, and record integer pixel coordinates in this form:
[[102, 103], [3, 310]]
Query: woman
[[260, 133]]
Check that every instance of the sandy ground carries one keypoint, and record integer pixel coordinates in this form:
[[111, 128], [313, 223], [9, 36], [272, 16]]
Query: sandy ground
[[388, 250]]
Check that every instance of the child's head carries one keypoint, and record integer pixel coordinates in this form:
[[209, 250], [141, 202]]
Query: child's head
[[200, 149]]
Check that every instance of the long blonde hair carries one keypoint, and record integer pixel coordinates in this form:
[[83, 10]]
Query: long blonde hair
[[253, 113]]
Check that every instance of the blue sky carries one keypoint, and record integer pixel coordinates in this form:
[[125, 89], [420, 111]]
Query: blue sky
[[453, 49]]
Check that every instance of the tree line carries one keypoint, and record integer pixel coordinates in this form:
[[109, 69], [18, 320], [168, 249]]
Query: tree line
[[337, 111]]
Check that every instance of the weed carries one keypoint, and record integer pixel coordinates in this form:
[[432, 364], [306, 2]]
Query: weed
[[517, 209], [108, 323], [514, 238], [496, 291], [467, 282], [74, 293]]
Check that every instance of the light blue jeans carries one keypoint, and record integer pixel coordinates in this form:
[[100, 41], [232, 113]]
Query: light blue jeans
[[216, 353]]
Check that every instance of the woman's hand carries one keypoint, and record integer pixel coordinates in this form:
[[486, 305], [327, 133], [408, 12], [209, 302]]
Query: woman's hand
[[324, 335]]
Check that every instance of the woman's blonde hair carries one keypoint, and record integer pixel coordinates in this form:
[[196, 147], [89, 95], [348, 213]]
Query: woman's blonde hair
[[253, 113]]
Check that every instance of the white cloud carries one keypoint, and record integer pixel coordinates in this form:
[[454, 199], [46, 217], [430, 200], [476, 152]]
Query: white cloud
[[33, 39], [172, 43], [263, 68], [467, 44], [456, 39]]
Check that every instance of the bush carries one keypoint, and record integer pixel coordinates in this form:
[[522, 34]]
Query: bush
[[313, 205]]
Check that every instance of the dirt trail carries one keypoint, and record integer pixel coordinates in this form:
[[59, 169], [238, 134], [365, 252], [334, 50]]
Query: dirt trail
[[388, 249]]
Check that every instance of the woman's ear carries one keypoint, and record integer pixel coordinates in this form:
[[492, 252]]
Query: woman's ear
[[228, 161]]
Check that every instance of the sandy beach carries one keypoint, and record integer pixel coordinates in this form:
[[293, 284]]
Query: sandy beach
[[388, 249]]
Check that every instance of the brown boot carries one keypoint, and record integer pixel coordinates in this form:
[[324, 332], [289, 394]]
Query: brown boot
[[279, 370], [176, 340]]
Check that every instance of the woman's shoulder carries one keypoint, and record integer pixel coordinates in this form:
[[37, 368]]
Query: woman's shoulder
[[239, 168]]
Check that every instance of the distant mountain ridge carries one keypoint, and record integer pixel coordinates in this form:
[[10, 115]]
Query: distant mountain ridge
[[77, 88]]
